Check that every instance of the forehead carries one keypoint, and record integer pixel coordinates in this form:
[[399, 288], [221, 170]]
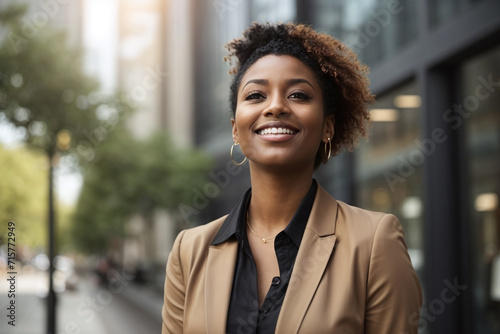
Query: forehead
[[278, 67]]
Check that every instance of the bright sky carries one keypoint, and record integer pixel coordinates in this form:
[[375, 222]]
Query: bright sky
[[100, 38]]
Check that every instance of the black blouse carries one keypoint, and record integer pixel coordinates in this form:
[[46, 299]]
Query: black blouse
[[244, 315]]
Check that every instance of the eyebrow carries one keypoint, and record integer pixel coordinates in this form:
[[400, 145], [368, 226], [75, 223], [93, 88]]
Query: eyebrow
[[265, 82]]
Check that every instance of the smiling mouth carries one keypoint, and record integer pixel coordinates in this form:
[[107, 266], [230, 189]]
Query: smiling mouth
[[276, 131]]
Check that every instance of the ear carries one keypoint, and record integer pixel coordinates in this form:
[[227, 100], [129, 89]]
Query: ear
[[234, 130], [328, 128]]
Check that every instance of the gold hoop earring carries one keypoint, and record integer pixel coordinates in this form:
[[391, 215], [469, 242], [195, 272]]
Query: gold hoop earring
[[329, 154], [231, 155]]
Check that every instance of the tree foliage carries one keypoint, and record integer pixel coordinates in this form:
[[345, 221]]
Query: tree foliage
[[45, 92], [130, 176], [23, 184], [46, 95]]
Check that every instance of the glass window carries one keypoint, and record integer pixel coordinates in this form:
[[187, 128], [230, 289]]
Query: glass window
[[444, 10], [374, 29], [389, 166], [481, 103]]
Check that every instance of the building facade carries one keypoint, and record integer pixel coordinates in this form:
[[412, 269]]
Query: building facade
[[433, 157]]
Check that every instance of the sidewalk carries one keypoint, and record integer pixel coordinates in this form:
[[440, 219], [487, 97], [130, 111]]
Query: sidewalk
[[146, 299], [89, 309], [31, 308]]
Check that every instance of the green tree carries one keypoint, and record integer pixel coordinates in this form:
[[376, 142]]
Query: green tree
[[45, 93], [23, 185], [23, 196], [129, 177]]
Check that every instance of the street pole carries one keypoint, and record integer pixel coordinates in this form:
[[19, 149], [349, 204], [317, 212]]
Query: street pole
[[51, 297]]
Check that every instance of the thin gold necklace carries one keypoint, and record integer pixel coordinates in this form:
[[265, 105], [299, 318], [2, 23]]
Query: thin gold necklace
[[264, 240]]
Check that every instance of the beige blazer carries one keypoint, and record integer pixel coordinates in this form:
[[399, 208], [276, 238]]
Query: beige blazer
[[352, 275]]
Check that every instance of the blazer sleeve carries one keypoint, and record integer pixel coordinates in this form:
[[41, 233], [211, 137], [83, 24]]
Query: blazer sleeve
[[173, 304], [394, 295]]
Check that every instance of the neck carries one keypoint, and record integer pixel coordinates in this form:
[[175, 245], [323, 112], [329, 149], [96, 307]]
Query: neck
[[275, 198]]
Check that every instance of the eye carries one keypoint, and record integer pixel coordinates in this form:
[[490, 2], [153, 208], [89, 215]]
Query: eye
[[254, 96], [300, 96]]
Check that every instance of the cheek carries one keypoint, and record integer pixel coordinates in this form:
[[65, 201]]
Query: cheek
[[314, 120], [241, 123], [319, 118]]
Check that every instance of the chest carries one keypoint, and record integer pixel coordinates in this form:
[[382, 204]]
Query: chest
[[266, 264]]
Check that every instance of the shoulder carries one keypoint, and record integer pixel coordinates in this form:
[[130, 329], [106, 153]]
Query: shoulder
[[191, 245], [357, 215], [356, 229], [365, 230], [200, 236], [203, 233], [363, 221]]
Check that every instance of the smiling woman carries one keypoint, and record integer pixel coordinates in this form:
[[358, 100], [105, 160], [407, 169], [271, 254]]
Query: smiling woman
[[279, 119], [289, 258]]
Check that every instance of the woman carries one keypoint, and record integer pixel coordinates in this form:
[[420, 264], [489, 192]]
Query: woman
[[289, 258]]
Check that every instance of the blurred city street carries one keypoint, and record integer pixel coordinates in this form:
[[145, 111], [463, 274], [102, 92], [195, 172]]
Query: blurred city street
[[88, 308]]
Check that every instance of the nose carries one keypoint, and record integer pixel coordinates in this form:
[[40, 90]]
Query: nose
[[277, 107]]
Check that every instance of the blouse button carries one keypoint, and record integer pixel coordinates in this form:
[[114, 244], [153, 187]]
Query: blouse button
[[276, 280]]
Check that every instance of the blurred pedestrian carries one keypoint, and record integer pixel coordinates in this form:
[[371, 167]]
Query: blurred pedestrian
[[289, 258]]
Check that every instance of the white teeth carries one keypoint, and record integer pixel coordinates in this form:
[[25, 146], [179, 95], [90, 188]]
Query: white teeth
[[268, 131]]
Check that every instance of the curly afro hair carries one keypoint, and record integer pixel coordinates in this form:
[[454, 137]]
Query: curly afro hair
[[343, 78]]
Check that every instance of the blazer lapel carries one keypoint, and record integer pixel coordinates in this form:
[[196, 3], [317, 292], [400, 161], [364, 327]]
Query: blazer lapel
[[314, 253], [218, 284]]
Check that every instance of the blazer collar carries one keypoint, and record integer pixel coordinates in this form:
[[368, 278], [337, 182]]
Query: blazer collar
[[314, 254], [323, 218], [235, 223], [231, 225], [221, 262]]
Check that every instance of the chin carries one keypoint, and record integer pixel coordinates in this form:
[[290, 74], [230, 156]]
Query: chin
[[282, 163]]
